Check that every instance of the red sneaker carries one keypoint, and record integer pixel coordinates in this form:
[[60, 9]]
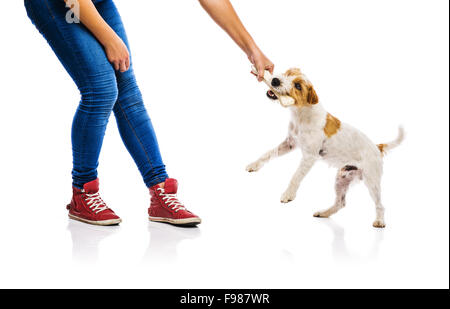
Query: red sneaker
[[87, 206], [165, 206]]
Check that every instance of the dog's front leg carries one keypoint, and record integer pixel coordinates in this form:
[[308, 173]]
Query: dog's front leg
[[305, 166], [285, 147]]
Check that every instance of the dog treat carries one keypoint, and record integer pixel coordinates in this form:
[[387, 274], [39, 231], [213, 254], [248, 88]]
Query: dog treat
[[285, 100]]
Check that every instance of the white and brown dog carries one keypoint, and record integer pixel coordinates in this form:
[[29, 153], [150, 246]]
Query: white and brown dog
[[319, 135]]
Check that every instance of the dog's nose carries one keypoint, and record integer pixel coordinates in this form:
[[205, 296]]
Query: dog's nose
[[276, 82]]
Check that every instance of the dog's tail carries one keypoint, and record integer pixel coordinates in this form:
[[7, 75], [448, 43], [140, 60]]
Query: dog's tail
[[384, 148]]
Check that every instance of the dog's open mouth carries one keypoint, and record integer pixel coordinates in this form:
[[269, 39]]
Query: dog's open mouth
[[271, 95]]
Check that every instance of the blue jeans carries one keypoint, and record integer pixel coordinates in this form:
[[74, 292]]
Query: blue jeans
[[102, 90]]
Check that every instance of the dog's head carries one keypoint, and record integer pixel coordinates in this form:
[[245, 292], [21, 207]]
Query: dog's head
[[291, 88]]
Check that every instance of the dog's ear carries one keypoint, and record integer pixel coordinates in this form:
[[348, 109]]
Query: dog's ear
[[312, 96]]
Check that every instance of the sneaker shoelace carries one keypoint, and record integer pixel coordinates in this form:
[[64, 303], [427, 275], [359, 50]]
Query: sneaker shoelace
[[171, 200], [95, 202]]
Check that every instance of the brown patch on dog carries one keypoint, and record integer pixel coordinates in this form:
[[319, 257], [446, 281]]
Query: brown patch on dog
[[312, 96], [307, 95], [304, 96], [382, 148], [297, 94], [332, 126]]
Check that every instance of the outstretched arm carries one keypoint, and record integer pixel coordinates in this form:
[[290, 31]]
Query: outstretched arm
[[223, 13]]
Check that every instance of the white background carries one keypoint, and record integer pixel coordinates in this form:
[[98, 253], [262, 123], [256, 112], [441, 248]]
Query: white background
[[375, 65]]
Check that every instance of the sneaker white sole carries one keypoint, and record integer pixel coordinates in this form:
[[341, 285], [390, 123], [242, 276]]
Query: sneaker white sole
[[187, 221], [102, 223]]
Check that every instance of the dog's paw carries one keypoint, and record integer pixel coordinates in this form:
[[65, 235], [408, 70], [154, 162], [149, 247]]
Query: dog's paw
[[321, 214], [379, 224], [254, 167], [288, 196]]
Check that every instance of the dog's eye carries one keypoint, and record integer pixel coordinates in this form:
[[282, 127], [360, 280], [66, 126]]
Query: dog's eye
[[298, 86]]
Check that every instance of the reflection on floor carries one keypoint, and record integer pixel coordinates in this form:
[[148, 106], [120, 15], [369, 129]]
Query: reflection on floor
[[340, 249], [164, 240], [86, 239]]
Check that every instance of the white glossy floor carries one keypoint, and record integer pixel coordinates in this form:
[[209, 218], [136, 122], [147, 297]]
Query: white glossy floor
[[248, 239], [379, 64]]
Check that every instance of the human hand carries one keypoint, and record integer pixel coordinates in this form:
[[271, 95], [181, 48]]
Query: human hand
[[117, 53], [261, 62]]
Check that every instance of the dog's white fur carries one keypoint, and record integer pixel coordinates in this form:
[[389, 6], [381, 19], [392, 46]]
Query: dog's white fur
[[348, 149]]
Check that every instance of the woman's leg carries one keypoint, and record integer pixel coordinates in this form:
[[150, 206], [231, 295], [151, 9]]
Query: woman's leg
[[85, 60], [132, 118], [139, 137]]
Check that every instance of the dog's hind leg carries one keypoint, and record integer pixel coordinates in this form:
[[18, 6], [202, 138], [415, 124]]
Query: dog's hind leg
[[344, 178], [285, 147], [375, 192]]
